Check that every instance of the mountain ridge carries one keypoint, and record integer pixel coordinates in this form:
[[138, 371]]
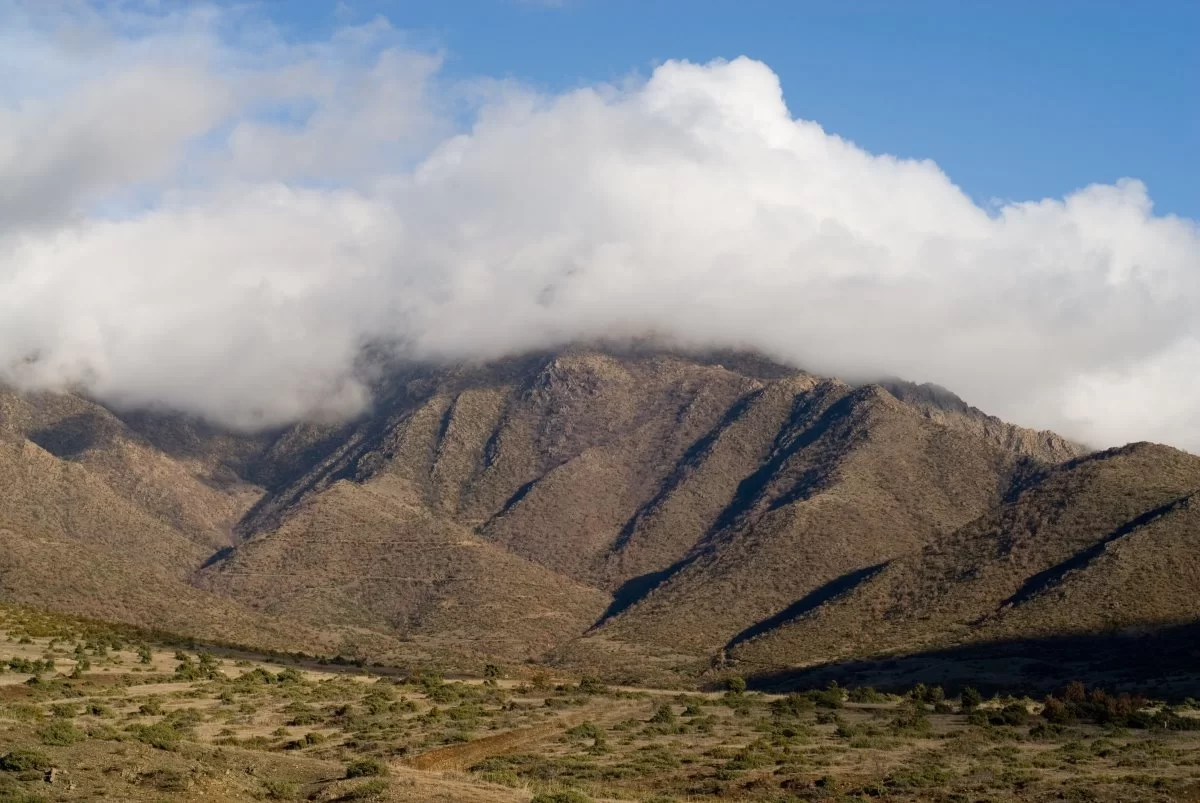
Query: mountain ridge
[[632, 511]]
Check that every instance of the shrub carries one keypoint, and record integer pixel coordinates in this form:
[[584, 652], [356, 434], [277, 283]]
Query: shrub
[[1046, 730], [1058, 711], [865, 694], [159, 735], [61, 732], [590, 684], [371, 790], [586, 730], [1014, 714], [63, 710], [971, 698], [152, 707], [280, 790], [28, 667], [830, 697], [24, 761], [663, 715], [911, 720], [1076, 702], [365, 767], [791, 706], [289, 675], [96, 709], [736, 684], [927, 694]]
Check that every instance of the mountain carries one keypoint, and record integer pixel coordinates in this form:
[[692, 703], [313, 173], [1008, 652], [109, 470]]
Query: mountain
[[635, 512], [1106, 543]]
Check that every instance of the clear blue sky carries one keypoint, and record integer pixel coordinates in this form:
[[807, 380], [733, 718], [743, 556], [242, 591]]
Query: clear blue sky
[[1015, 100]]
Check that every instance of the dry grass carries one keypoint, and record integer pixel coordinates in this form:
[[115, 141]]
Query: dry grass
[[129, 728]]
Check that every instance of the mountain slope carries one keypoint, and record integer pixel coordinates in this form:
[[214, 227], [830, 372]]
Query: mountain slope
[[1102, 543], [367, 555], [70, 542], [617, 509], [854, 479], [713, 497], [200, 498]]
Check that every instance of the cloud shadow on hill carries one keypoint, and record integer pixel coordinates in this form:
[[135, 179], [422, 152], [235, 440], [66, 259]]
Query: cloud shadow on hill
[[1163, 662]]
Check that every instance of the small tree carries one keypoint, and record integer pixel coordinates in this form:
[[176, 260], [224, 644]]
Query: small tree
[[736, 684], [663, 715], [971, 698], [590, 684]]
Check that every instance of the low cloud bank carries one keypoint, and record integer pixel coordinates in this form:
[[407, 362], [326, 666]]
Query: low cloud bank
[[196, 212]]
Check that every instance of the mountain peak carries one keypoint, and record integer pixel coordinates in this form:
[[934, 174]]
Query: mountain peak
[[597, 502]]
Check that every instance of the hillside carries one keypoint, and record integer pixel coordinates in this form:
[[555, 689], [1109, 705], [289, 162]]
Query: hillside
[[698, 499], [642, 513], [69, 542], [365, 555], [1103, 544]]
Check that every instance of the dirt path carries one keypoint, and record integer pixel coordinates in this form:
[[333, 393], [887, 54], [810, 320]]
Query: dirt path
[[467, 754]]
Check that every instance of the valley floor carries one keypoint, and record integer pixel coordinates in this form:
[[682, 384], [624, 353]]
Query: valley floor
[[88, 713]]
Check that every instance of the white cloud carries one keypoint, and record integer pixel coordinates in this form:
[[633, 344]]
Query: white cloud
[[219, 225]]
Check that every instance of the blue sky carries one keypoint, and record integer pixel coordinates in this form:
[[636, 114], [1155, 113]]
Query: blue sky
[[1014, 101]]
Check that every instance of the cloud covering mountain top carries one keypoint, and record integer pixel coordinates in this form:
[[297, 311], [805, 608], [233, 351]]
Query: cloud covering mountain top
[[197, 212]]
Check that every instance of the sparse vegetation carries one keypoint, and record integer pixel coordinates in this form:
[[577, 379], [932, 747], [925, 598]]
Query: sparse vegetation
[[343, 734], [470, 629]]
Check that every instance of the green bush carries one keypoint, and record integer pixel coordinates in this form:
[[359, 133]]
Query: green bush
[[152, 707], [663, 715], [63, 710], [911, 720], [971, 698], [1014, 714], [28, 667], [61, 732], [365, 767], [865, 694], [590, 684], [159, 735], [830, 697], [371, 790], [290, 675], [586, 730], [791, 706], [24, 760], [280, 790]]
